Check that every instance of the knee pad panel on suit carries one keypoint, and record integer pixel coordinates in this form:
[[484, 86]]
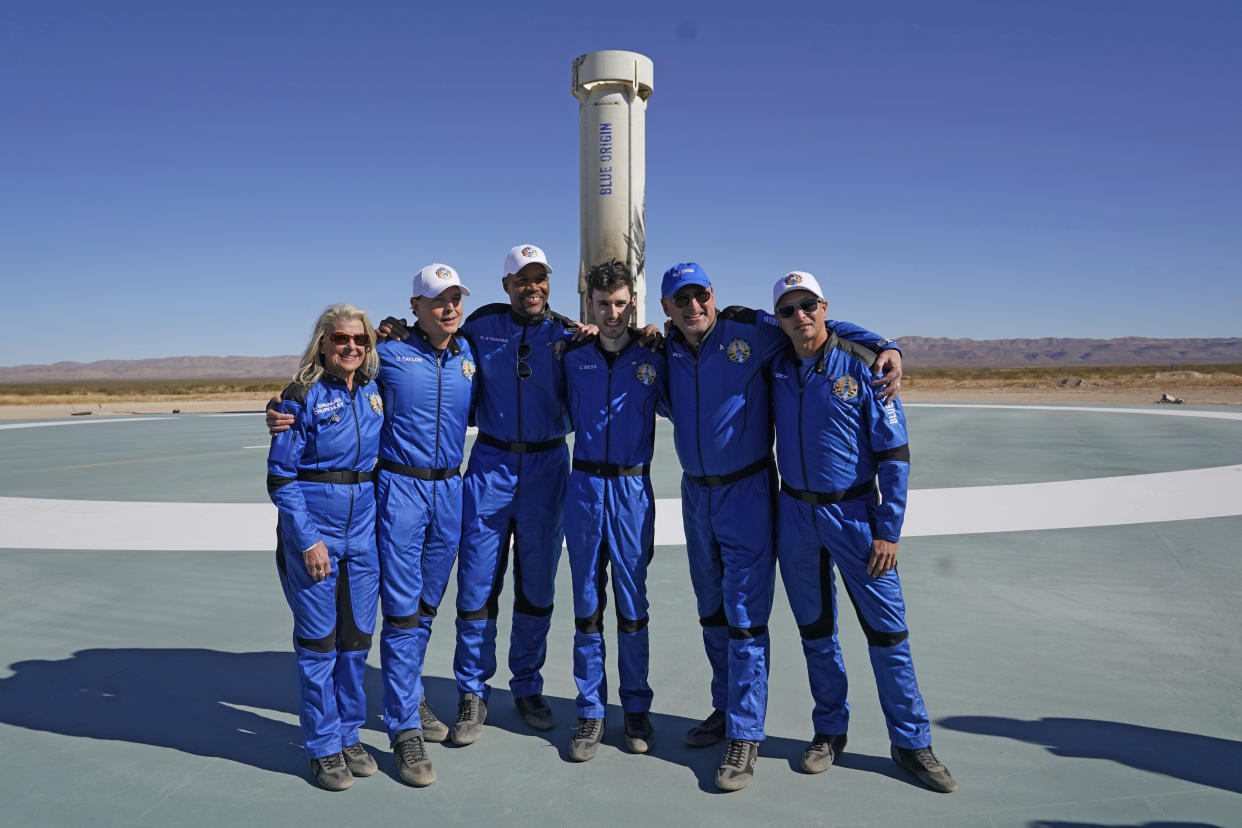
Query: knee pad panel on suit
[[352, 638], [875, 638], [498, 581], [627, 625], [521, 603], [746, 633], [825, 625], [716, 619], [327, 644], [592, 624], [426, 610], [401, 622]]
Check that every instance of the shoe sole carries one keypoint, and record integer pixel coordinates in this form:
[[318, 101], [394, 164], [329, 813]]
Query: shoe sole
[[924, 780], [419, 782], [637, 745], [344, 787], [436, 735], [463, 739], [730, 785], [817, 767]]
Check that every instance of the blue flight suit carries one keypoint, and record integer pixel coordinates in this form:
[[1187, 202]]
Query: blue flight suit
[[723, 434], [427, 398], [613, 399], [836, 443], [514, 488], [319, 476]]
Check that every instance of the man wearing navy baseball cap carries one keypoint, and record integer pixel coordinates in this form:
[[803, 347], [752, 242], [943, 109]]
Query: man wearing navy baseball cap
[[723, 436]]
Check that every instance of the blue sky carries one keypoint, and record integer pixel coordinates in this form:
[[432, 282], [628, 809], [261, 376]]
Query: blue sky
[[184, 178]]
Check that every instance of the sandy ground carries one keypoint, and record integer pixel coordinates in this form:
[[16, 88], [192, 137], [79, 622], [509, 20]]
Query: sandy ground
[[1194, 392]]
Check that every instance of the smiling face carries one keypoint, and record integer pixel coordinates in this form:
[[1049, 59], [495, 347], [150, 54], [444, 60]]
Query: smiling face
[[697, 315], [805, 330], [439, 316], [344, 358], [528, 289], [612, 310]]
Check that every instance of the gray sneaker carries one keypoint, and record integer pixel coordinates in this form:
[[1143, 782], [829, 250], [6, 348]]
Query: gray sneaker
[[358, 760], [923, 764], [737, 766], [822, 752], [471, 713], [536, 712], [707, 732], [330, 772], [413, 764], [638, 732], [585, 741], [434, 730]]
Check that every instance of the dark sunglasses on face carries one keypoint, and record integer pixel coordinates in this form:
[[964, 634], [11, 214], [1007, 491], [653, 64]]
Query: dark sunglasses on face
[[807, 306], [523, 367], [340, 338], [701, 297]]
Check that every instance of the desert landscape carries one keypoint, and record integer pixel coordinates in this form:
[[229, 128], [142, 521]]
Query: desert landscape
[[1129, 385], [1127, 370]]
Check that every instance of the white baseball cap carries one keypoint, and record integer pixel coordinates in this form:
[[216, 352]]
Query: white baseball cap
[[795, 280], [436, 278], [523, 255]]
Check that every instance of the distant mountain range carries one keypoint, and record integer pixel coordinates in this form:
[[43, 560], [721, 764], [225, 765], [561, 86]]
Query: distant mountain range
[[919, 352]]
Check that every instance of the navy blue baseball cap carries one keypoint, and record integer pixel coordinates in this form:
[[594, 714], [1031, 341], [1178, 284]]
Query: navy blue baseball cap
[[680, 275]]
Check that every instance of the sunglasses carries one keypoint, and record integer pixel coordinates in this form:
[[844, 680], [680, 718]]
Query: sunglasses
[[340, 338], [523, 367], [701, 297], [807, 306]]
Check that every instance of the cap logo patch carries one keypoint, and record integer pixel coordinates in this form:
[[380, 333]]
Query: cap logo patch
[[528, 252], [645, 373], [738, 350], [793, 279], [845, 388], [467, 369], [444, 273]]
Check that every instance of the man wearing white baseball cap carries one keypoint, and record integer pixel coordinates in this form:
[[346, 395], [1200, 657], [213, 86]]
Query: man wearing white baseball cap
[[838, 445], [514, 490], [428, 385]]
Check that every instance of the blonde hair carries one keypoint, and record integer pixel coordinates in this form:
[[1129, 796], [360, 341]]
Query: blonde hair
[[311, 367]]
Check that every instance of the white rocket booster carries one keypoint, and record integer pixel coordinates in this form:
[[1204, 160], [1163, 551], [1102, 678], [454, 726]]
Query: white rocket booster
[[612, 88]]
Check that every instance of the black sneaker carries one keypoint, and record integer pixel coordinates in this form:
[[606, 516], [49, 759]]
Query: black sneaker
[[358, 760], [585, 741], [536, 712], [434, 730], [923, 764], [330, 772], [707, 732], [822, 752], [413, 764], [638, 732], [471, 713], [737, 766]]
